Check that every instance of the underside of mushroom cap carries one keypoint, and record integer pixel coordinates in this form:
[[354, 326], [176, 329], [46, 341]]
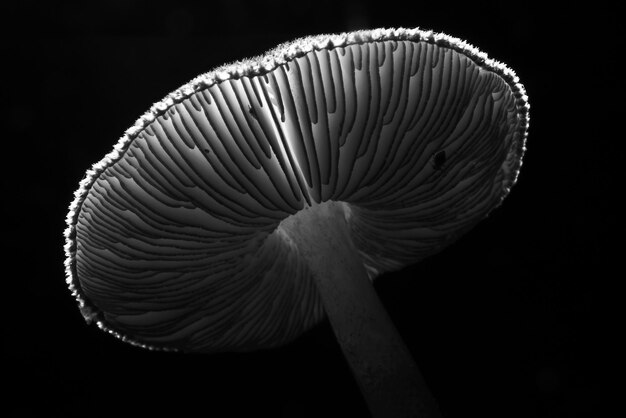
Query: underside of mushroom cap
[[173, 239]]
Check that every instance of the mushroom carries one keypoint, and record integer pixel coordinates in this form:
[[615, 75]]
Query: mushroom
[[260, 197]]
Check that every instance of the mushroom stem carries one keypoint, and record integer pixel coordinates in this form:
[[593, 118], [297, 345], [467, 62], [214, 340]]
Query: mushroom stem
[[386, 373]]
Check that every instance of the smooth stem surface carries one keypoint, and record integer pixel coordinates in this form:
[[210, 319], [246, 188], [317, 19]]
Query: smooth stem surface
[[380, 361]]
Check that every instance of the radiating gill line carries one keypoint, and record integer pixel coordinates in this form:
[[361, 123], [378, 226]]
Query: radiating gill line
[[192, 171], [285, 140], [394, 114], [248, 100], [248, 179], [297, 95], [268, 122], [324, 57], [326, 151], [293, 125]]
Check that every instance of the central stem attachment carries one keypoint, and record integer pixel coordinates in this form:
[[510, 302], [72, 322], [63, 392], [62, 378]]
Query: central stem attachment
[[380, 361]]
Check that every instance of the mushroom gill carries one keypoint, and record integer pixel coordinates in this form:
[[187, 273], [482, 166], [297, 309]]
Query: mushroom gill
[[261, 196], [173, 239]]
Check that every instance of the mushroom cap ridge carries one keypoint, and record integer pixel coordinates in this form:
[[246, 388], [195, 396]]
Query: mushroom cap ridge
[[383, 220]]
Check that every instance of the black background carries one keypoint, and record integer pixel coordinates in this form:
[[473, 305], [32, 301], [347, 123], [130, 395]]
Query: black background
[[508, 322]]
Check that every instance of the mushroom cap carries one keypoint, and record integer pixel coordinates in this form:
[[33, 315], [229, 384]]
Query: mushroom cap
[[174, 239]]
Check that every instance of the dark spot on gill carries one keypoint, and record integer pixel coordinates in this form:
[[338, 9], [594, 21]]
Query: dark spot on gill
[[253, 112], [438, 159]]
